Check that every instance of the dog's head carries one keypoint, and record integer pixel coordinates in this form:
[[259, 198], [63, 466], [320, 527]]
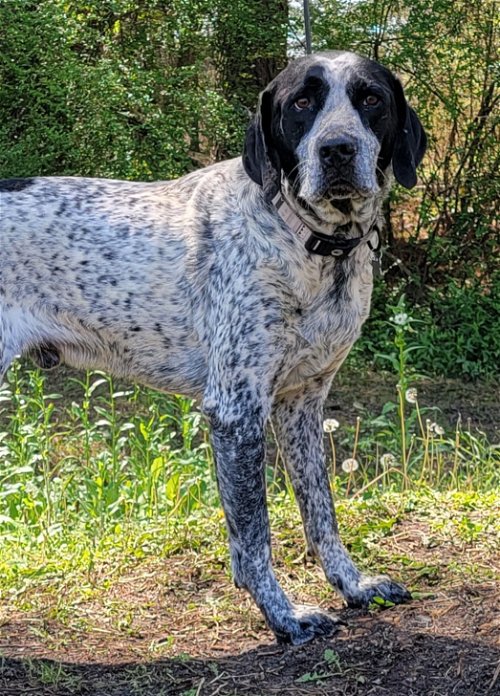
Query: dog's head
[[332, 124]]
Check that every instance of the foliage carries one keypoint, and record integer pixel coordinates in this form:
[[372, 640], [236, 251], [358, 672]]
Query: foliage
[[98, 454], [144, 464], [456, 331], [116, 88]]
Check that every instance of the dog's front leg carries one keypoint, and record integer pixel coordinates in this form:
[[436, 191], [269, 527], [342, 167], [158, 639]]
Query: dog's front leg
[[238, 436], [299, 429]]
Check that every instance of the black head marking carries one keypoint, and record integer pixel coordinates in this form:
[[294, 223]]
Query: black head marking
[[259, 156], [411, 141], [13, 185], [278, 126], [393, 121]]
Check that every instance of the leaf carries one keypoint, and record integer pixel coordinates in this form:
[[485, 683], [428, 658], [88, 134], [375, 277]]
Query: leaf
[[96, 384], [423, 595], [156, 469], [310, 677], [144, 431], [172, 487], [331, 657], [381, 602]]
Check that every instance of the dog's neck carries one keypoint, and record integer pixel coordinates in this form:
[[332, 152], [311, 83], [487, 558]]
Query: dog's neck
[[330, 231]]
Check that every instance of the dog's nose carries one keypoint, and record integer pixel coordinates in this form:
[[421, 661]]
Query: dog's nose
[[337, 151]]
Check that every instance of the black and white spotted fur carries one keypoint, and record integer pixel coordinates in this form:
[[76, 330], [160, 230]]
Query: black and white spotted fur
[[197, 286]]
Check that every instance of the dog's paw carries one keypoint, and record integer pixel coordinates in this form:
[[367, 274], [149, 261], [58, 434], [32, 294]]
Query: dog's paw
[[305, 624], [378, 589]]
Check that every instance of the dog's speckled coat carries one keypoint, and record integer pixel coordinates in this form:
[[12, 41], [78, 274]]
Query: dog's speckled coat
[[197, 286]]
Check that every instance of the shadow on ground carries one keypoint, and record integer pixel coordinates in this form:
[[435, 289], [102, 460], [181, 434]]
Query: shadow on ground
[[380, 655]]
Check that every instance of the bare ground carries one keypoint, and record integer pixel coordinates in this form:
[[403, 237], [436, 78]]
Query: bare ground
[[178, 628]]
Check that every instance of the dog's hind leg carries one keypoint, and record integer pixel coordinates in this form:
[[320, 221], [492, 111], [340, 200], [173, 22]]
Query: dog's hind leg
[[20, 331]]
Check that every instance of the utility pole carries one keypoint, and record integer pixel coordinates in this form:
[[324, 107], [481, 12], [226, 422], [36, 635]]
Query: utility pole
[[307, 24]]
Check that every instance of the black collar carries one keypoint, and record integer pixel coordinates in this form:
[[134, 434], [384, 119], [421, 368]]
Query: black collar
[[325, 244]]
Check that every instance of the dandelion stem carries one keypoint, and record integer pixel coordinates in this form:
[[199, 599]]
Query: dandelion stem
[[377, 478], [403, 431], [454, 473], [356, 437], [354, 450]]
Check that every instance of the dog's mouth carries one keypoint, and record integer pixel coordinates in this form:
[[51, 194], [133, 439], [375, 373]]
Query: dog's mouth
[[341, 189], [337, 189]]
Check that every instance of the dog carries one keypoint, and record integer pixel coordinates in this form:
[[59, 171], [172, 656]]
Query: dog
[[243, 284]]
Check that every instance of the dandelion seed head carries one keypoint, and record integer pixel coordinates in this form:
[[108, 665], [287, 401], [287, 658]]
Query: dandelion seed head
[[388, 460], [411, 395], [350, 465], [330, 425], [436, 429]]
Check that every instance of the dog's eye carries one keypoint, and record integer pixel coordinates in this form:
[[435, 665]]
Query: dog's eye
[[371, 100], [303, 103]]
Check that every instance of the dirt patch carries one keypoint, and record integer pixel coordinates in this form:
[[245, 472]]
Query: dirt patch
[[174, 629], [447, 645]]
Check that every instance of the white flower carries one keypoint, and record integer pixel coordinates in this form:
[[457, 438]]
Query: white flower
[[437, 429], [350, 465], [411, 395], [388, 460], [401, 319], [330, 425]]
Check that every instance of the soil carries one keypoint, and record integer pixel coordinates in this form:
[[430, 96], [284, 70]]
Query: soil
[[194, 635], [444, 646]]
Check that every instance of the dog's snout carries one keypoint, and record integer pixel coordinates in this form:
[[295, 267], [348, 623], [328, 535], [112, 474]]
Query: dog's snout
[[337, 151]]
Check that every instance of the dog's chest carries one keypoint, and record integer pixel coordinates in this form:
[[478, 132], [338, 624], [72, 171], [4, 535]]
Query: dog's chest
[[320, 334]]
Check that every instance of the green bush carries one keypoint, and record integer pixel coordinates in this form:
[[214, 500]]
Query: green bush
[[455, 333], [107, 89]]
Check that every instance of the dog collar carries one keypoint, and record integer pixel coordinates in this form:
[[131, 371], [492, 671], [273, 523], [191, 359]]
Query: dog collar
[[325, 244]]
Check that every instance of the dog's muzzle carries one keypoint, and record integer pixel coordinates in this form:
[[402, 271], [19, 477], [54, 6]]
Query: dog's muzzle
[[338, 159]]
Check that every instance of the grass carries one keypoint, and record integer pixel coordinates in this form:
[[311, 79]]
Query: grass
[[101, 455], [158, 584], [100, 459]]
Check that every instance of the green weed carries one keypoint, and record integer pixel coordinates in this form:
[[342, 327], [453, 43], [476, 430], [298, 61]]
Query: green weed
[[402, 448]]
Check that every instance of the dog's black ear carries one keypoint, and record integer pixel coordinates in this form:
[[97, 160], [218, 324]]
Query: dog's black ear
[[411, 142], [260, 158]]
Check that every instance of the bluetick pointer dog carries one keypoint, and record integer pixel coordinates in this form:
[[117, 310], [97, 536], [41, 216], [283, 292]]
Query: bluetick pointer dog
[[243, 284]]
